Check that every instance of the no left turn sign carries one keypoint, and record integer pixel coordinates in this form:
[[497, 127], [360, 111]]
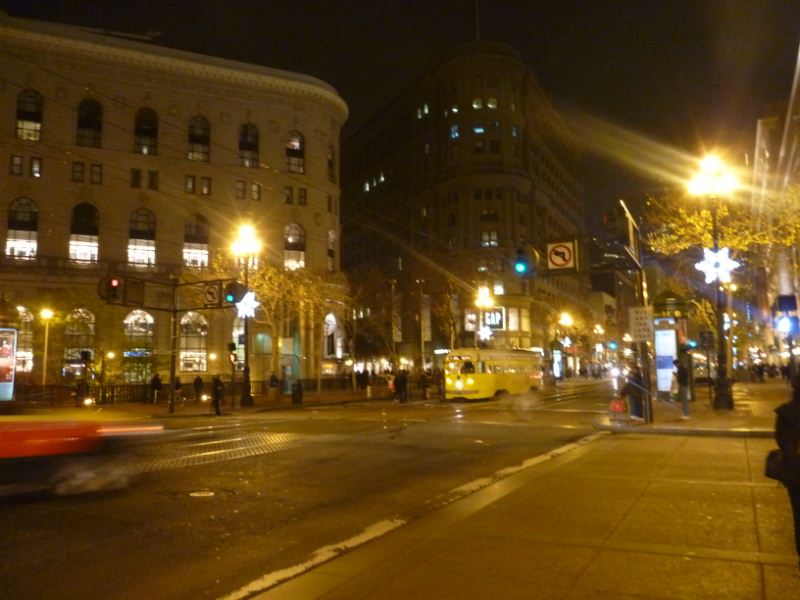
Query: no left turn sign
[[561, 255], [212, 294]]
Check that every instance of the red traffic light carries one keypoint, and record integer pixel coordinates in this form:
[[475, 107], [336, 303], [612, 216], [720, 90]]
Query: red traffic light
[[111, 289]]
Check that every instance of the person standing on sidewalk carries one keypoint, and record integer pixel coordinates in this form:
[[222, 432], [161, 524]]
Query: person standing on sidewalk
[[155, 387], [787, 434], [682, 375], [216, 394], [634, 390], [198, 388]]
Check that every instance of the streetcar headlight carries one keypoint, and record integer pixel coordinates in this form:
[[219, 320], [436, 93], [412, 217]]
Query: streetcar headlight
[[449, 381], [470, 381], [459, 384]]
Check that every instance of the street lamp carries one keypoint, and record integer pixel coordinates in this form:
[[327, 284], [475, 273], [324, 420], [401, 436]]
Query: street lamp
[[246, 246], [45, 314], [714, 181]]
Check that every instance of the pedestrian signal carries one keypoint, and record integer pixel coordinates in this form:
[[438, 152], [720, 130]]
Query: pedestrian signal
[[234, 292]]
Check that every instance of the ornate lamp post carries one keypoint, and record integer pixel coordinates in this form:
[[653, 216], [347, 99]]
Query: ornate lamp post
[[714, 181], [46, 315], [483, 300], [246, 247]]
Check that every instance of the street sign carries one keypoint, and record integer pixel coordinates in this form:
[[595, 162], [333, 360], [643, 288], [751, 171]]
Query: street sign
[[707, 340], [640, 320], [561, 255], [212, 294]]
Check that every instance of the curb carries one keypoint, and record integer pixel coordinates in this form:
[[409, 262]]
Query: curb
[[696, 431]]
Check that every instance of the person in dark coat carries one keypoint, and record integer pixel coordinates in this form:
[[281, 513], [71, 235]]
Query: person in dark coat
[[216, 394], [198, 388], [787, 434], [682, 375], [634, 390], [155, 387]]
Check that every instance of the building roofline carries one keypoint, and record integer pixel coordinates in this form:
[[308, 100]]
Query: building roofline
[[93, 42]]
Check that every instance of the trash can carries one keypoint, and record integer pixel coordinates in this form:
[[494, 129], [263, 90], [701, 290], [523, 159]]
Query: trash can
[[297, 393]]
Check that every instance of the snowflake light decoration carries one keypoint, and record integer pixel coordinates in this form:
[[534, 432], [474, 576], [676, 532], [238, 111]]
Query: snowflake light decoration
[[717, 265], [485, 333], [246, 307]]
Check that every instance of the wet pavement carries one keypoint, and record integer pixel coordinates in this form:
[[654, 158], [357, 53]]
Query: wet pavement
[[673, 509]]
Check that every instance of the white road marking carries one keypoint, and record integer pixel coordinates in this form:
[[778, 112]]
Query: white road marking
[[320, 556]]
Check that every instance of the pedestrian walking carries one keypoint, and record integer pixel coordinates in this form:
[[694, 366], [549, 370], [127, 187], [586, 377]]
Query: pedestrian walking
[[424, 384], [682, 375], [634, 390], [155, 387], [198, 388], [178, 387], [787, 434], [401, 386], [216, 394]]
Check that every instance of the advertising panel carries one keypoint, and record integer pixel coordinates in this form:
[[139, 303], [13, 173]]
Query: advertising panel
[[8, 362]]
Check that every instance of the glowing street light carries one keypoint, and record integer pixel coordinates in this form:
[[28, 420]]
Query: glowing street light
[[565, 320], [713, 181], [246, 246]]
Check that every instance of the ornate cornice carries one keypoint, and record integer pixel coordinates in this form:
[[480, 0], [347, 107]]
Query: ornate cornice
[[82, 43]]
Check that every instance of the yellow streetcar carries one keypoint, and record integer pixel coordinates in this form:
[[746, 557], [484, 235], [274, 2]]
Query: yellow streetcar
[[474, 373]]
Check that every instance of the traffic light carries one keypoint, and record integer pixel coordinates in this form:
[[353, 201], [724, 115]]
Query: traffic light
[[522, 263], [234, 292], [112, 289]]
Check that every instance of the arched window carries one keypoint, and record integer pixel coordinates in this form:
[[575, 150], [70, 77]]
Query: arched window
[[78, 341], [138, 328], [195, 242], [90, 124], [294, 247], [84, 231], [30, 112], [23, 225], [331, 250], [24, 340], [142, 238], [331, 328], [199, 139], [295, 153], [248, 146], [331, 165], [145, 131], [193, 343]]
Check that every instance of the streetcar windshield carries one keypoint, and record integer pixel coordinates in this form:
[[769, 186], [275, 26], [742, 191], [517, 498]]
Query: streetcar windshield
[[466, 367]]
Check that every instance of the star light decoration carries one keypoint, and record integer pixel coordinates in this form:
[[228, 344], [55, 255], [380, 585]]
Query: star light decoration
[[485, 333], [246, 307], [717, 265]]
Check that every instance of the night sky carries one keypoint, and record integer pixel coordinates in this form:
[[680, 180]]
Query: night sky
[[680, 72]]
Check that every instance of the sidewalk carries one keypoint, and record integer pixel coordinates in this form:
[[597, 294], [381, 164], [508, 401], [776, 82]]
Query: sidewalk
[[753, 414], [631, 515]]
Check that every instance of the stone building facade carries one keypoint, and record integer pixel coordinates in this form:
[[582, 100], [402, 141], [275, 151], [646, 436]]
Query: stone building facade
[[132, 159], [472, 168]]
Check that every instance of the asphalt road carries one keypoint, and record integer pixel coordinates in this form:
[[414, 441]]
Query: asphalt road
[[218, 503]]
